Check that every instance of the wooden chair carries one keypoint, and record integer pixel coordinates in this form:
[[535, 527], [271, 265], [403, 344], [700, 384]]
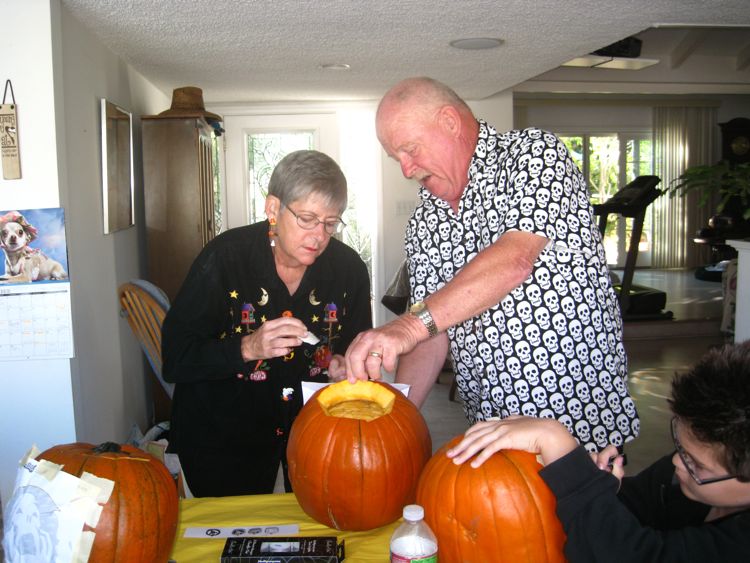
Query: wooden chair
[[144, 306]]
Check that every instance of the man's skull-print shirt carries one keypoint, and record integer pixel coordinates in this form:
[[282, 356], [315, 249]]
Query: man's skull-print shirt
[[553, 346]]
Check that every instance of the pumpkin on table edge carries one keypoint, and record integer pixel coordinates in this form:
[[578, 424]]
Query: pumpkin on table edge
[[355, 454], [139, 521], [501, 511]]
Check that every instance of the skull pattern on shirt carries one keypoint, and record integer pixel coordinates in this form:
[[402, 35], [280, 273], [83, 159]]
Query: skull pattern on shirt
[[553, 346]]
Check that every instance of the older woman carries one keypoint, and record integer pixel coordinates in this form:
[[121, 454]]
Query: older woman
[[263, 308]]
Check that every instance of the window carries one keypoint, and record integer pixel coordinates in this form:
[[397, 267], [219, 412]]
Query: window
[[256, 143], [608, 162], [264, 151]]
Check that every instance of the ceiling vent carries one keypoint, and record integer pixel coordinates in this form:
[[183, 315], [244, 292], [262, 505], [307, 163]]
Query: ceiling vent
[[629, 47], [622, 55]]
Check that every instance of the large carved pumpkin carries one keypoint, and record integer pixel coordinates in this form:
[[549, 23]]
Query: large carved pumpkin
[[501, 511], [139, 521], [355, 454]]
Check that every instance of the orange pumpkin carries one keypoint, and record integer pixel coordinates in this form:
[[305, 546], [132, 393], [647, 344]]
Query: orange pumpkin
[[355, 453], [139, 521], [501, 511]]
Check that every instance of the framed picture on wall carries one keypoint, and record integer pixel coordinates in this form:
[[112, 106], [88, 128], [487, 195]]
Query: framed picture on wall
[[117, 167]]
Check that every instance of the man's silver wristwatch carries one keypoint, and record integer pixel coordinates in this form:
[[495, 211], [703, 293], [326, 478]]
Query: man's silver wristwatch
[[420, 310]]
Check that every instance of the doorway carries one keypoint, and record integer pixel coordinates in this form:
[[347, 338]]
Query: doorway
[[255, 143]]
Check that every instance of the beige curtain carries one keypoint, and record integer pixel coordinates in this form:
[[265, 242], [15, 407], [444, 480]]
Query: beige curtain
[[683, 137]]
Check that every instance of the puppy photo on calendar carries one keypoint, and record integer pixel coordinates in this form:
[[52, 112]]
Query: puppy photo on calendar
[[24, 262]]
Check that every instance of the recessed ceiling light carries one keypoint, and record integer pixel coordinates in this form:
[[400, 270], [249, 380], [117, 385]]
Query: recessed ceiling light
[[335, 66], [618, 63], [476, 43], [623, 63]]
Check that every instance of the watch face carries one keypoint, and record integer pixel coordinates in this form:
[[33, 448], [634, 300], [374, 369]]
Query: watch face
[[417, 308], [740, 145]]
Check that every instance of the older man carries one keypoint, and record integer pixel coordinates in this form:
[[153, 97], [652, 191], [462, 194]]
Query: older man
[[506, 268]]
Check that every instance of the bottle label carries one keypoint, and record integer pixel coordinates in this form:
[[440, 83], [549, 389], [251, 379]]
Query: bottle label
[[419, 559]]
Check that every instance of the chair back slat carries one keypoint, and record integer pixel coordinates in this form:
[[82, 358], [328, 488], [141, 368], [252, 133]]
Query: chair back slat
[[145, 306]]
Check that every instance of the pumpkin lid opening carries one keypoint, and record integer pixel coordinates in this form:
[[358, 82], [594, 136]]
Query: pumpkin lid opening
[[364, 400]]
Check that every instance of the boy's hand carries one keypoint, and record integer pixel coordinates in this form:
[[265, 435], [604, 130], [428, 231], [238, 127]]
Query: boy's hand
[[609, 459], [541, 436]]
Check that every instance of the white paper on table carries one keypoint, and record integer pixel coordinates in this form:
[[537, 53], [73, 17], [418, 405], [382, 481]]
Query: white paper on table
[[244, 531], [46, 514], [310, 387]]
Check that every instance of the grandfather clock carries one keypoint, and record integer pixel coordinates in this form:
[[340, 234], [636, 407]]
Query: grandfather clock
[[729, 224], [735, 140], [735, 148]]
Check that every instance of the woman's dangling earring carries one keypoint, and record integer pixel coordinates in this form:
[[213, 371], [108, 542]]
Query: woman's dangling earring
[[272, 230]]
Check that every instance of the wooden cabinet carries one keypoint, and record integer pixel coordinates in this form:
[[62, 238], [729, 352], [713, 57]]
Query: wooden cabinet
[[179, 196]]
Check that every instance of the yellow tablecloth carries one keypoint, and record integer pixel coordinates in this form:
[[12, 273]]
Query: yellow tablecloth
[[253, 510]]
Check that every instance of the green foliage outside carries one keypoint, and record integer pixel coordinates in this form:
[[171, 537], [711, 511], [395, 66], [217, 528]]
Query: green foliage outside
[[599, 158]]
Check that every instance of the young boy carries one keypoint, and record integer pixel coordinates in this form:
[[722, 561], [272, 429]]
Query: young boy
[[693, 505]]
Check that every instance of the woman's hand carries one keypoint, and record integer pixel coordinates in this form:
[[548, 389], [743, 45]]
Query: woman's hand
[[337, 368], [541, 436], [273, 339]]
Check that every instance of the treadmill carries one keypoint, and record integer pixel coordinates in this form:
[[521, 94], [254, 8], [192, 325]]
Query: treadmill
[[637, 302]]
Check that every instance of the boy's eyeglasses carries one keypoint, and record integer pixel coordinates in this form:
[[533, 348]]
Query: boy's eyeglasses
[[309, 221], [689, 462]]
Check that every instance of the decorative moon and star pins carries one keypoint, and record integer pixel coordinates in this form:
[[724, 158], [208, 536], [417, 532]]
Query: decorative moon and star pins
[[290, 355], [263, 297], [248, 315], [330, 318]]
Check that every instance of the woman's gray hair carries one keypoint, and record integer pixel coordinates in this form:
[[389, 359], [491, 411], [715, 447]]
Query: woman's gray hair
[[302, 173]]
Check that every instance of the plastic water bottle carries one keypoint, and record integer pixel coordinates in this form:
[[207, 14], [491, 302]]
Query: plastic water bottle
[[413, 541]]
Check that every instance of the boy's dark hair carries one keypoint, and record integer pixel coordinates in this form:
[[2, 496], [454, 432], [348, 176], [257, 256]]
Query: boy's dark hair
[[713, 399]]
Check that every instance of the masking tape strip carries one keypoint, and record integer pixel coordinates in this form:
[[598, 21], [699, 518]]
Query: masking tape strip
[[82, 548], [105, 486]]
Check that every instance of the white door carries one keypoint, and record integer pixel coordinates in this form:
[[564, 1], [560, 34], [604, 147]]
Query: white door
[[322, 127], [346, 135]]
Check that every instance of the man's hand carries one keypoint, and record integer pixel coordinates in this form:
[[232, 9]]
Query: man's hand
[[381, 347]]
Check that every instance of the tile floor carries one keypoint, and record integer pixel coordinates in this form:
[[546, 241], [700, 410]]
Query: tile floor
[[653, 360]]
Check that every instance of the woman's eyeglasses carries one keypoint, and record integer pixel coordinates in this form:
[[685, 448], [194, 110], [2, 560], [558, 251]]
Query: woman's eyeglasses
[[689, 462], [309, 221]]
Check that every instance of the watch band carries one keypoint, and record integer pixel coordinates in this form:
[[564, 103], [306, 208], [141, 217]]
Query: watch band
[[420, 310]]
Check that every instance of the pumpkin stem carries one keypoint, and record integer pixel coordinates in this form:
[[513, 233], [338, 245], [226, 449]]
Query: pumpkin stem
[[107, 447], [365, 400]]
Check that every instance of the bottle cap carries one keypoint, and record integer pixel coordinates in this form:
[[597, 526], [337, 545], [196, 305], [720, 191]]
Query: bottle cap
[[413, 512]]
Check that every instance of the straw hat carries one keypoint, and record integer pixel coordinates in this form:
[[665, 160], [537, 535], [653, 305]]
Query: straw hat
[[188, 102]]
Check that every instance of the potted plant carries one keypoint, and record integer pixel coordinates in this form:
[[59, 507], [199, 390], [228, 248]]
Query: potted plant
[[729, 182]]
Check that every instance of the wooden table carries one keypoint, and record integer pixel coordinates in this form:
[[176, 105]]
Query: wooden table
[[255, 510]]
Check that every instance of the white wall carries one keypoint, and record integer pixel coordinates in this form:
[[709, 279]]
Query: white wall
[[36, 397], [565, 114], [568, 118], [110, 388], [59, 72]]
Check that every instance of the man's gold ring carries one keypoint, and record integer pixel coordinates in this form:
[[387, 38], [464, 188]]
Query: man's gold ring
[[375, 354]]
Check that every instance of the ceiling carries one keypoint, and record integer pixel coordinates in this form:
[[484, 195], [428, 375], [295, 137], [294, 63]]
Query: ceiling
[[242, 51]]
